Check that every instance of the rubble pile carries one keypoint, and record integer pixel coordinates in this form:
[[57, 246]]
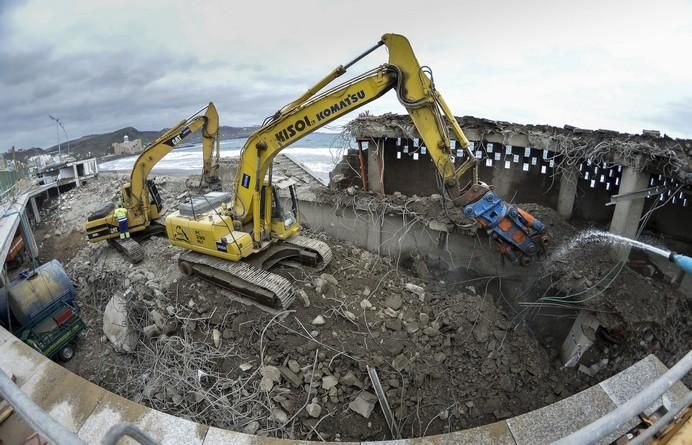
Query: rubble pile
[[431, 210], [449, 354], [445, 353]]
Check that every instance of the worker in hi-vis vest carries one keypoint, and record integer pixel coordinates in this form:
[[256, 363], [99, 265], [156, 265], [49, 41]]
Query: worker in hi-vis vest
[[120, 213]]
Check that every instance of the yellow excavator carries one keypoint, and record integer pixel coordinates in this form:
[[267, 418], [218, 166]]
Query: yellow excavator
[[141, 197], [234, 240]]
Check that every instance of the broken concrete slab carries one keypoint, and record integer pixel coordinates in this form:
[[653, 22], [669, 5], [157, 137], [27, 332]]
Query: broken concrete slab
[[630, 382], [546, 425], [116, 325], [580, 338], [364, 403]]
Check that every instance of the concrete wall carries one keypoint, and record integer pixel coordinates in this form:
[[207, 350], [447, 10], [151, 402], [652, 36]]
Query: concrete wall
[[672, 219], [522, 175], [590, 204], [399, 237], [517, 174]]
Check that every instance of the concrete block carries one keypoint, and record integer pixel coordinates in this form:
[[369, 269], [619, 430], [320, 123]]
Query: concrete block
[[217, 436], [553, 422], [66, 397], [6, 336], [164, 428], [19, 359], [579, 339], [492, 434], [630, 382]]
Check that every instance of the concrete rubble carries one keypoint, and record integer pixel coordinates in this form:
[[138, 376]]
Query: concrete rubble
[[448, 350]]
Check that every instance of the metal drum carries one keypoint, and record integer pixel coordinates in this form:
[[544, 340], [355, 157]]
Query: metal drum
[[35, 291]]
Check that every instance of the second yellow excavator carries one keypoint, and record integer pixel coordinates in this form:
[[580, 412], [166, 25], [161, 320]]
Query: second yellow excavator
[[141, 198], [235, 240]]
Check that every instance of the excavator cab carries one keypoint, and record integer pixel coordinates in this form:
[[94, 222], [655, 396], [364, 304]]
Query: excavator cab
[[284, 210]]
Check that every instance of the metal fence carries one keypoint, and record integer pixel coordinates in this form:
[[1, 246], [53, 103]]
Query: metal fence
[[8, 178]]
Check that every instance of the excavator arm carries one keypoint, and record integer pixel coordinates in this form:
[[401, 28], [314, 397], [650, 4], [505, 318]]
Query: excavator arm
[[516, 232], [135, 193], [211, 150]]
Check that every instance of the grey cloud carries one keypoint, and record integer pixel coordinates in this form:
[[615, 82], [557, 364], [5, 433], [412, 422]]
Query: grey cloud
[[104, 91]]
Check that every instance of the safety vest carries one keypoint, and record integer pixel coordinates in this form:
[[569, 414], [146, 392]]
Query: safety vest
[[120, 213]]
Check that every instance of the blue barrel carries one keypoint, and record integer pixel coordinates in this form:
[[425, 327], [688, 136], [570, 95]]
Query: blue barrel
[[35, 291]]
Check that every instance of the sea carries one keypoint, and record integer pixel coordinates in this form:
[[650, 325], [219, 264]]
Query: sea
[[320, 152]]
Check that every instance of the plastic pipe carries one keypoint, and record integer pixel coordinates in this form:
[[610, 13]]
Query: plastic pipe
[[684, 262]]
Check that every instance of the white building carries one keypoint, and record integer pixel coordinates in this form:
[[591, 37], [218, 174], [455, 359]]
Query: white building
[[127, 146]]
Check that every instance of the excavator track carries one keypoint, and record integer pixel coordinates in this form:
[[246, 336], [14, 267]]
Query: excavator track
[[319, 247], [249, 281], [130, 248]]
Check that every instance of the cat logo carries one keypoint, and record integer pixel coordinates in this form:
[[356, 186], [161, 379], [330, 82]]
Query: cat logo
[[180, 234]]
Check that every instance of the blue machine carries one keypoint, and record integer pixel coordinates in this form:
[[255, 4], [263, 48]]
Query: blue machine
[[684, 262], [508, 226], [36, 290]]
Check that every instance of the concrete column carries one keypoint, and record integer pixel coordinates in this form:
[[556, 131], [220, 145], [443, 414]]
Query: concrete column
[[374, 162], [34, 208], [567, 193], [626, 216], [28, 236], [76, 176]]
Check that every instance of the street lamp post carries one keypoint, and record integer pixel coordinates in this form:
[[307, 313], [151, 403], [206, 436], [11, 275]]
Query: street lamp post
[[57, 133], [58, 126]]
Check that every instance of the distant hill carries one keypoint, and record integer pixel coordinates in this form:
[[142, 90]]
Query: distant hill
[[100, 144]]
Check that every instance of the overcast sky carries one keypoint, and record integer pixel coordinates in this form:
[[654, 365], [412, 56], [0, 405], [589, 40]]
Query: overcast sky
[[106, 64]]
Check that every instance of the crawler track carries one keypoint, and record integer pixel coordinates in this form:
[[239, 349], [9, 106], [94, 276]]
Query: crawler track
[[260, 285]]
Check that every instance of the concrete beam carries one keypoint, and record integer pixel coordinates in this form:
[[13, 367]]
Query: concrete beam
[[626, 216], [28, 236], [568, 193]]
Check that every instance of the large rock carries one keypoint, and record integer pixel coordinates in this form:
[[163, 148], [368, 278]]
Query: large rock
[[314, 409], [393, 301], [116, 325], [270, 375]]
